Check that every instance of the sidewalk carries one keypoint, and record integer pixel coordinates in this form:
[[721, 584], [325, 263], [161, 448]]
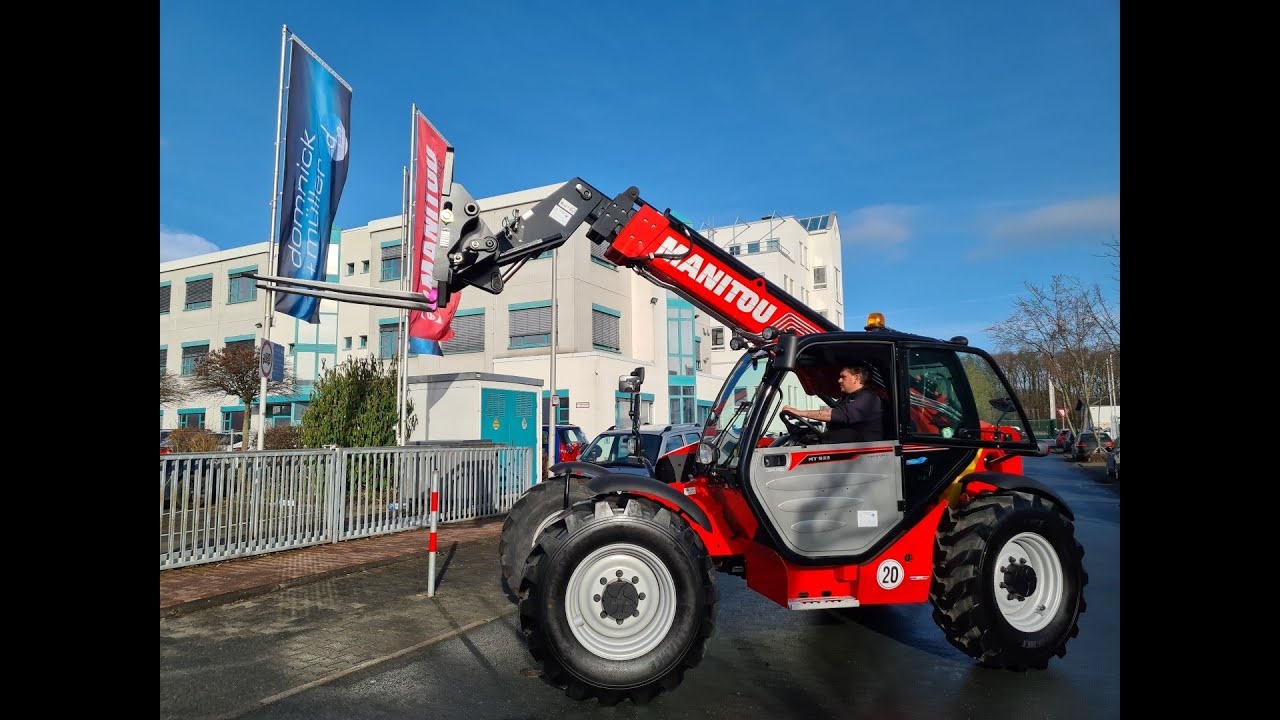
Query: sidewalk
[[187, 589]]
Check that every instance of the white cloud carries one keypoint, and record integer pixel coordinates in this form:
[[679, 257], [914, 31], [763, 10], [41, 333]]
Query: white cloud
[[883, 229], [1054, 225], [176, 245]]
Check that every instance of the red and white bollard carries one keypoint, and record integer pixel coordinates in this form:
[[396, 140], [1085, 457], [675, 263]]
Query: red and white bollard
[[431, 547]]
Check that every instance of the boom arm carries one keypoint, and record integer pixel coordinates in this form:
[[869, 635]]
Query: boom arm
[[657, 245]]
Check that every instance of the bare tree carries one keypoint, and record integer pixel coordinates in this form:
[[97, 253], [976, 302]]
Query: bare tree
[[171, 389], [1071, 328], [234, 371]]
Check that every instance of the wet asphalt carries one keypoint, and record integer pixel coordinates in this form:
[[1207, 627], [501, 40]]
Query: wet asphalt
[[372, 645]]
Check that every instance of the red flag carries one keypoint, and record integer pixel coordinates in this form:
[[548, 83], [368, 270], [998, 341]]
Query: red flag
[[429, 172]]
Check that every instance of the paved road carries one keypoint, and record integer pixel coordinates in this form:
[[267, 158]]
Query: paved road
[[764, 661]]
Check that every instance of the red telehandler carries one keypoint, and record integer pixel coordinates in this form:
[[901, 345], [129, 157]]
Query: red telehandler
[[615, 573]]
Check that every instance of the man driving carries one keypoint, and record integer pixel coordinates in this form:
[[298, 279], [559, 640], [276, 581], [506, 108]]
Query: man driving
[[856, 417]]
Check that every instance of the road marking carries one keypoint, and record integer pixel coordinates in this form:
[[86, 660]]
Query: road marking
[[369, 663]]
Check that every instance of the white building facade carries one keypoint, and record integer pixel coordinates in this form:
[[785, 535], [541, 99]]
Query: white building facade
[[611, 321]]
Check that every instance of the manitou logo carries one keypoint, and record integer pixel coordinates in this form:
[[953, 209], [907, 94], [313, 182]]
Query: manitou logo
[[733, 292]]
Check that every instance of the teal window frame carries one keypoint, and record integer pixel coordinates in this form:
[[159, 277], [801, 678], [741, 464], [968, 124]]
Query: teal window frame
[[189, 362], [346, 343], [169, 304], [364, 267], [241, 289], [185, 415], [351, 269], [364, 342]]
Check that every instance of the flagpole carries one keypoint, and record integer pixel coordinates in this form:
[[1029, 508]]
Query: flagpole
[[403, 333], [409, 242], [267, 312]]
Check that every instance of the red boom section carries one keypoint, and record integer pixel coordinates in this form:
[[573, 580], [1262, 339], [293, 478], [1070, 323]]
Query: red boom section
[[710, 278]]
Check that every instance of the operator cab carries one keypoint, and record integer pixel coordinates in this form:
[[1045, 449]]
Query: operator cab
[[827, 496]]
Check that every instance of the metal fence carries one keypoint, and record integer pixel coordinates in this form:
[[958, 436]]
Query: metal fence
[[223, 505]]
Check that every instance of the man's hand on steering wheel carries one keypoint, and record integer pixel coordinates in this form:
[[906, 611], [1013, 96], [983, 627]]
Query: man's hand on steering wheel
[[802, 430]]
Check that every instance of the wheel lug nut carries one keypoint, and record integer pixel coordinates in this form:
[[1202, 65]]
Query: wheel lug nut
[[1008, 597], [619, 573], [1013, 559], [604, 614], [606, 582], [1023, 561], [619, 621], [635, 581], [597, 597], [635, 613], [641, 596], [1001, 587]]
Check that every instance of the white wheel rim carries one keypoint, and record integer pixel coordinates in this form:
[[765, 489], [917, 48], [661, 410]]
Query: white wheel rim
[[586, 597], [1028, 607]]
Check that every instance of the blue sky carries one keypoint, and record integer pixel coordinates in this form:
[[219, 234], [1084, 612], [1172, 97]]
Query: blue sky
[[968, 148]]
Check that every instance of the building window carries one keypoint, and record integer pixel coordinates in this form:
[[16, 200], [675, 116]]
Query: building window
[[717, 338], [364, 267], [804, 256], [773, 244], [164, 358], [819, 277], [346, 343], [814, 224], [735, 249], [241, 289], [680, 345], [562, 406], [364, 342], [622, 412], [232, 420], [391, 262], [530, 327], [697, 353], [840, 319], [165, 291], [605, 331], [388, 340], [753, 247], [468, 335], [241, 343], [597, 256], [351, 268], [683, 406], [192, 356], [191, 418], [199, 294], [823, 313], [839, 290]]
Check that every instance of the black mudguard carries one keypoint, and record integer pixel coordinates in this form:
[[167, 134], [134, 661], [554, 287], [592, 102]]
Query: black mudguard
[[624, 482], [1010, 481], [579, 469]]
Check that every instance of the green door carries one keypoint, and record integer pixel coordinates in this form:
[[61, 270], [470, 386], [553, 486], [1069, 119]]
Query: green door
[[509, 417]]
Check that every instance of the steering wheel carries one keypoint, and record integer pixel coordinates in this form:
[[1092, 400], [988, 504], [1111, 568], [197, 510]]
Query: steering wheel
[[802, 430]]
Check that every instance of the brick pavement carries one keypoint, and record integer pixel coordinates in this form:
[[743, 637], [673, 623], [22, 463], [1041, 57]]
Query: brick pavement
[[186, 589]]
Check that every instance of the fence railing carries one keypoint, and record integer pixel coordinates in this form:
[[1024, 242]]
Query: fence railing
[[223, 505]]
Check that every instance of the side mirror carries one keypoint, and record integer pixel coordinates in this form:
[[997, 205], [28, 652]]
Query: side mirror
[[788, 345], [628, 384], [707, 452]]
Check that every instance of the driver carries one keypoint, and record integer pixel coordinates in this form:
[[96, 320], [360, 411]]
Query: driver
[[856, 417]]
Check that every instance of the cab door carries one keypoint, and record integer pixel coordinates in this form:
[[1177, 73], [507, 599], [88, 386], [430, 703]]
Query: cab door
[[825, 500]]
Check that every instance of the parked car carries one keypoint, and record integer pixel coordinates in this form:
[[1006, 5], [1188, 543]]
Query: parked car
[[615, 448], [570, 442], [1090, 443], [1063, 441]]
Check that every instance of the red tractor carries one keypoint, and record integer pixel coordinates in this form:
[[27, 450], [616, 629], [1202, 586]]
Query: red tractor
[[616, 582]]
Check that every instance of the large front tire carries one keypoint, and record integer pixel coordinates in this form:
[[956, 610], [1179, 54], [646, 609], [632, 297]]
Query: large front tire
[[529, 516], [620, 600], [1008, 584]]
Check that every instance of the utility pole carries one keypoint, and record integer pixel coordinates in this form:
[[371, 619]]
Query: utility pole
[[554, 404]]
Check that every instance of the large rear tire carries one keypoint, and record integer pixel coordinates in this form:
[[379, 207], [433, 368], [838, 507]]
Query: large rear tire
[[620, 600], [1008, 580], [529, 516]]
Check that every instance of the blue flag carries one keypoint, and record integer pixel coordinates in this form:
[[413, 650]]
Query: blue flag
[[424, 347], [315, 169]]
